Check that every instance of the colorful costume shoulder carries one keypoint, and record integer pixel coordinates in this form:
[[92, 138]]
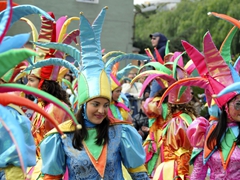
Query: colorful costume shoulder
[[93, 161], [167, 146], [118, 135]]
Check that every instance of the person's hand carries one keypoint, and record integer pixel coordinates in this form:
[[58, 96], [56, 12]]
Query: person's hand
[[145, 129], [141, 133]]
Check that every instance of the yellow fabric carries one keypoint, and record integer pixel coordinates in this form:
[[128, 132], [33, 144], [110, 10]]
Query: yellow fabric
[[181, 151], [157, 133], [126, 175], [34, 29], [14, 173], [105, 90], [156, 99], [64, 28], [17, 108], [66, 126], [20, 75], [36, 173], [166, 169], [36, 72], [124, 113], [113, 84], [141, 168], [62, 72], [165, 82]]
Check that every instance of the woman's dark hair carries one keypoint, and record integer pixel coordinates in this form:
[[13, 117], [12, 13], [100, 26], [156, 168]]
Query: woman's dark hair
[[82, 134], [71, 77], [160, 93], [53, 88], [185, 108], [219, 130]]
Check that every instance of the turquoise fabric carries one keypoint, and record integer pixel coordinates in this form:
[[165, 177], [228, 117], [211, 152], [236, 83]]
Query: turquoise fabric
[[87, 123], [131, 147], [125, 99], [115, 111], [25, 10], [25, 125], [8, 151], [124, 146], [13, 42], [53, 155]]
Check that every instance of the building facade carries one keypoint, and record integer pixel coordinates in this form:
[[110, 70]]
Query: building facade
[[117, 29]]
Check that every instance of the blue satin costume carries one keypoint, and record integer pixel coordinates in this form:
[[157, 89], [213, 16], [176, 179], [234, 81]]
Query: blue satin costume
[[124, 146], [21, 126]]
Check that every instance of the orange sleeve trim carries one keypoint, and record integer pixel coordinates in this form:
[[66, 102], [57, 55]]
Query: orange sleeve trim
[[213, 118], [52, 177]]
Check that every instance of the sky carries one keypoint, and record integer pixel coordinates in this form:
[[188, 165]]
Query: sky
[[153, 1], [139, 1]]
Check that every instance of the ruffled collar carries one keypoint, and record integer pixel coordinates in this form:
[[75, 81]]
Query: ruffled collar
[[232, 124]]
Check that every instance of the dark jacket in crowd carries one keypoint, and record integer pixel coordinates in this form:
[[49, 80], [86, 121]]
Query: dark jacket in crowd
[[140, 120], [161, 49]]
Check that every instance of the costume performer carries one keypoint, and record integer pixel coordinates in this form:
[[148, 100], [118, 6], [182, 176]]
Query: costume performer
[[167, 147], [215, 143], [97, 150]]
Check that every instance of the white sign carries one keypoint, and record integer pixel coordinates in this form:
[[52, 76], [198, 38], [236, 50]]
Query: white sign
[[89, 1]]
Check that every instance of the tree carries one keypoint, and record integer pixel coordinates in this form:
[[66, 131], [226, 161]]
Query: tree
[[189, 21]]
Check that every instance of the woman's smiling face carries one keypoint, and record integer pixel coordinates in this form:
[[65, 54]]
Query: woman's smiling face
[[97, 110]]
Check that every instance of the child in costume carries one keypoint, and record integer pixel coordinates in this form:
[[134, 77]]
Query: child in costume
[[97, 150], [217, 141], [40, 125], [167, 147], [118, 107]]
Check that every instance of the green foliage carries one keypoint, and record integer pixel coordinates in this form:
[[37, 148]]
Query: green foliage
[[188, 21]]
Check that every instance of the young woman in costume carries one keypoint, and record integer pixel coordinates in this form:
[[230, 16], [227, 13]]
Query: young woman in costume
[[97, 150], [217, 142], [47, 77]]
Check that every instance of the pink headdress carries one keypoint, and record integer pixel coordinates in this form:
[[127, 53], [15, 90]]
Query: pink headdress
[[114, 82], [215, 73], [165, 77]]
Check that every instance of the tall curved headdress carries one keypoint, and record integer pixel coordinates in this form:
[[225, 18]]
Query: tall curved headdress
[[17, 41], [93, 81], [9, 58], [166, 75], [95, 73], [122, 57], [52, 32], [46, 42], [215, 73]]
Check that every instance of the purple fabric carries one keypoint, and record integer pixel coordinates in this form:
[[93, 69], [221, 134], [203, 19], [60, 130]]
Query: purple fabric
[[215, 164]]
